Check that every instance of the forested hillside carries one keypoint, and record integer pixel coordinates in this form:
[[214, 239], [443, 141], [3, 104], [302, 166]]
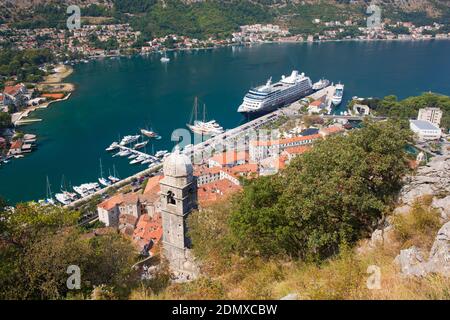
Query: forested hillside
[[216, 18]]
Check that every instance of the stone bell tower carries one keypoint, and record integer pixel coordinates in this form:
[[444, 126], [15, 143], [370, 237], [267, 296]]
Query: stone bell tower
[[178, 199]]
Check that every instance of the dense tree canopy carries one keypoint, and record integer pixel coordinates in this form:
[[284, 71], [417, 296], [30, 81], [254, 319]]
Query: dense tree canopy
[[39, 243], [24, 64]]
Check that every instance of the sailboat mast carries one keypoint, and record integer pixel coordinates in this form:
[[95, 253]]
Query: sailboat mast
[[204, 112], [101, 168], [49, 190]]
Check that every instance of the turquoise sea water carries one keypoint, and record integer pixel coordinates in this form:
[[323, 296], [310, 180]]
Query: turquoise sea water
[[118, 96]]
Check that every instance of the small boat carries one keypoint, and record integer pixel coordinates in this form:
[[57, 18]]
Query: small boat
[[138, 160], [161, 153], [113, 146], [140, 145], [124, 153], [150, 134], [133, 156], [149, 160], [165, 58]]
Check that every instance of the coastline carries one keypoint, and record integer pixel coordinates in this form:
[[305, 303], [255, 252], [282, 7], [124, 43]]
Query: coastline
[[53, 83]]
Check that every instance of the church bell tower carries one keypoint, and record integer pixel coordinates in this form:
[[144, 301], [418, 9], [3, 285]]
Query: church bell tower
[[178, 199]]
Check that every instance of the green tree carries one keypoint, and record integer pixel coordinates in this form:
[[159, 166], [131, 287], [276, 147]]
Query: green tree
[[39, 243]]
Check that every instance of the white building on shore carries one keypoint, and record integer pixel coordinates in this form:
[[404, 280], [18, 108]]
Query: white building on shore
[[425, 130]]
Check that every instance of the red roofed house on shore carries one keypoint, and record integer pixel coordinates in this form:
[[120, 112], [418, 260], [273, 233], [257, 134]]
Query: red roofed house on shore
[[14, 94], [263, 149]]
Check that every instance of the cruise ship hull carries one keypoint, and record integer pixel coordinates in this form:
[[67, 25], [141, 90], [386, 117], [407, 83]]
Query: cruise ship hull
[[269, 107]]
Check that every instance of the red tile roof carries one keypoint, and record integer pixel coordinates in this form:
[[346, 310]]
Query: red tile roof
[[153, 185], [13, 90], [214, 191], [297, 150]]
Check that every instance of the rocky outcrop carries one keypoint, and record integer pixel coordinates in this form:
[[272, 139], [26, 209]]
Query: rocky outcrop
[[412, 262], [432, 179]]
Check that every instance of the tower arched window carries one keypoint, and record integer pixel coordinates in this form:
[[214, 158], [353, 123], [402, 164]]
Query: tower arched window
[[171, 198]]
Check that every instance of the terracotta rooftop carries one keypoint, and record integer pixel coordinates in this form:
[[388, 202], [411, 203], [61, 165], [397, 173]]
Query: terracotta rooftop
[[204, 170], [297, 150], [214, 191], [13, 90], [153, 185], [332, 129]]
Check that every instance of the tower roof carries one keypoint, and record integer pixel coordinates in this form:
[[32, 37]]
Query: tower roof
[[178, 165]]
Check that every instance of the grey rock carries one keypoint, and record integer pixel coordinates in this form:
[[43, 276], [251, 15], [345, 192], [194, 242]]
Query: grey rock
[[439, 260], [411, 262], [443, 205], [380, 236]]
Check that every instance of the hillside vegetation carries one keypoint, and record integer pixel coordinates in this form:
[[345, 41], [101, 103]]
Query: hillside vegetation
[[218, 18]]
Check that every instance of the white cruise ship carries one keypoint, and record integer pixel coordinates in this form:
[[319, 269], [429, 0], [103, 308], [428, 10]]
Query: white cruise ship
[[338, 94], [271, 96]]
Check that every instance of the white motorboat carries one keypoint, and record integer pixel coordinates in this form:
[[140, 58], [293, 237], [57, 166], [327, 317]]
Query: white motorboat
[[140, 145], [129, 139], [113, 146]]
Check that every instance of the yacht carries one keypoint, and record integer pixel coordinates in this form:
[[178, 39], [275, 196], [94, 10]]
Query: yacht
[[203, 126], [150, 134], [268, 97], [104, 182], [338, 94], [86, 189], [113, 178], [129, 139], [322, 83]]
